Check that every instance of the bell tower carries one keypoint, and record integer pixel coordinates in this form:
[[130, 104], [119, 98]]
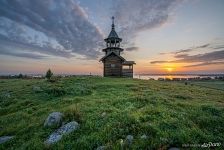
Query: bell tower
[[113, 41], [113, 63]]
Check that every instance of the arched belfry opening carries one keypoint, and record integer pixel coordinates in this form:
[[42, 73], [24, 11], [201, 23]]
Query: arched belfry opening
[[114, 63]]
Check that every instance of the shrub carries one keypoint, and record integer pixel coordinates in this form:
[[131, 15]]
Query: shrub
[[49, 74], [20, 76]]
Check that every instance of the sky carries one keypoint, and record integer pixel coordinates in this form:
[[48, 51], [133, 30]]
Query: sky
[[161, 36]]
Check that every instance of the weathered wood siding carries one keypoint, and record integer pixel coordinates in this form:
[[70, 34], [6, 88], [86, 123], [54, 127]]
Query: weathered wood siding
[[127, 73], [116, 70]]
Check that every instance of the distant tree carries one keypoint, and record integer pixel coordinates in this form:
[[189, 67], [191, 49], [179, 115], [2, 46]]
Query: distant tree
[[20, 75], [49, 74]]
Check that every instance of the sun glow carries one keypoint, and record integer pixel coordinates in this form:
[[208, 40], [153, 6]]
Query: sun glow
[[169, 69]]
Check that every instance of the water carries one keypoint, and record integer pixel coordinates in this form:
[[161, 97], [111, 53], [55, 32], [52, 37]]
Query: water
[[171, 77]]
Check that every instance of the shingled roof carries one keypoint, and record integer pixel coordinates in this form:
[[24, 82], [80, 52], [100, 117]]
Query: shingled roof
[[128, 63], [110, 54], [113, 34]]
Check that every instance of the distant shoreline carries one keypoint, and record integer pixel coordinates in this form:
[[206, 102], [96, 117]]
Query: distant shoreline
[[187, 74], [160, 77], [151, 74]]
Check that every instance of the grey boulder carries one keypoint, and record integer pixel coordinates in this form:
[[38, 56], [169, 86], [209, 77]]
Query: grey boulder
[[4, 139], [63, 130], [53, 119]]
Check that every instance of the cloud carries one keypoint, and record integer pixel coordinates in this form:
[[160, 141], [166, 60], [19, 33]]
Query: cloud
[[138, 15], [219, 47], [206, 64], [214, 56], [134, 48], [191, 49], [8, 47], [62, 28], [52, 27], [188, 50], [206, 57], [23, 54], [159, 62]]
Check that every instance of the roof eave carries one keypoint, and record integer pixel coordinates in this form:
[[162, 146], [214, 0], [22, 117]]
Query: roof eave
[[129, 63], [121, 49], [112, 38], [110, 54]]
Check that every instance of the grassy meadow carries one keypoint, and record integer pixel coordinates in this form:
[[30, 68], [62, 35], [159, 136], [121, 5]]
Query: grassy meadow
[[169, 113]]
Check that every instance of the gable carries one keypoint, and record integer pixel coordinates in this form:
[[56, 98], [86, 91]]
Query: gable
[[113, 57], [112, 54]]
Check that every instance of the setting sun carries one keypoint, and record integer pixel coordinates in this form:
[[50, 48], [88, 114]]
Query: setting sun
[[169, 69]]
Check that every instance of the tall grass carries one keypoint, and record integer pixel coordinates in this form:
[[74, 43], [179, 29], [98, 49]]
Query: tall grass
[[169, 113]]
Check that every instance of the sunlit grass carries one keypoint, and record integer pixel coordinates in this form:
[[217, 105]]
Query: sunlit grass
[[169, 113]]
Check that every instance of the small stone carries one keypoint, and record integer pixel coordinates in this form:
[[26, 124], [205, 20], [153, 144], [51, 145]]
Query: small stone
[[53, 119], [103, 114], [4, 139], [144, 137], [129, 139], [63, 130], [37, 89]]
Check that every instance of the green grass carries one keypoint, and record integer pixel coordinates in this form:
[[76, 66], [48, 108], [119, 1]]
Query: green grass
[[210, 84], [169, 113]]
